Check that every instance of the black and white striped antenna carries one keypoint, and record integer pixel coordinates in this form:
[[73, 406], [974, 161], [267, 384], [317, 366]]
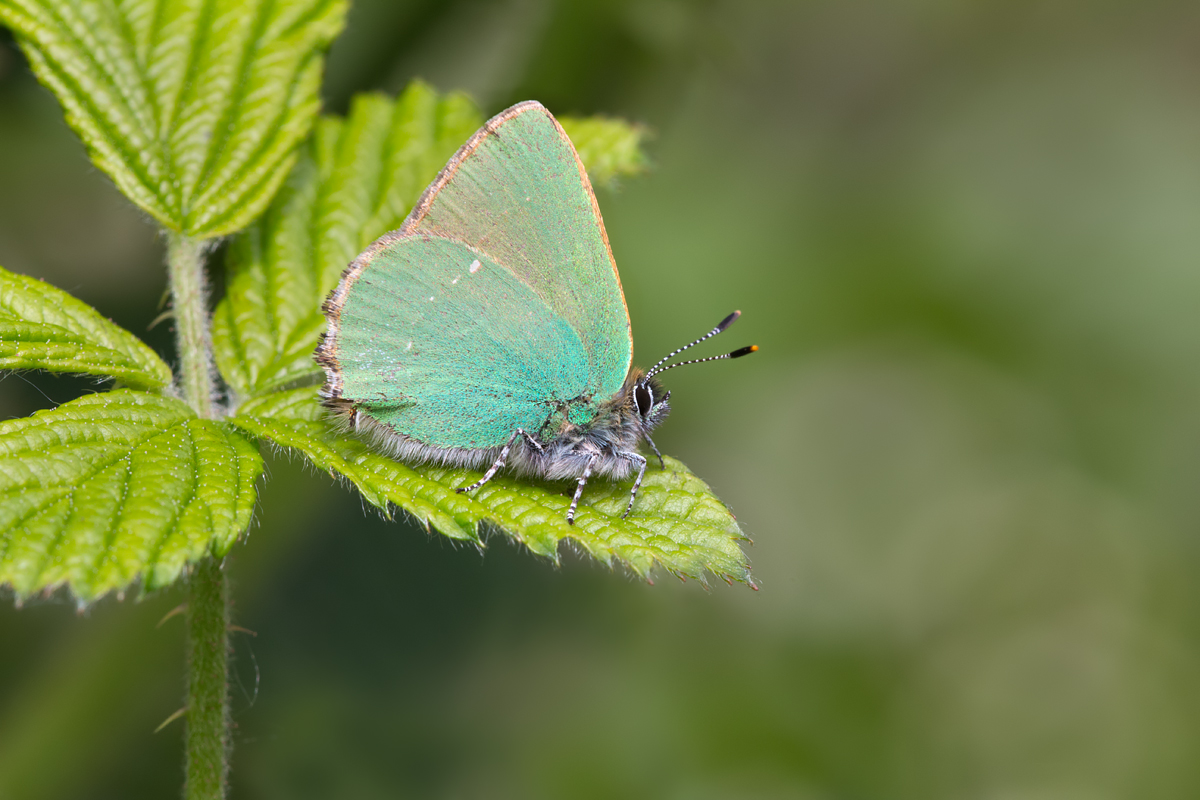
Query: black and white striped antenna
[[725, 323]]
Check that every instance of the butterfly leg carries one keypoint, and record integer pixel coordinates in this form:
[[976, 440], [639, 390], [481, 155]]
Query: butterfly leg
[[637, 484], [529, 440], [662, 464], [583, 479], [499, 463]]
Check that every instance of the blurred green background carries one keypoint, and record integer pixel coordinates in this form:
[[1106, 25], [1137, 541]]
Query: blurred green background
[[967, 238]]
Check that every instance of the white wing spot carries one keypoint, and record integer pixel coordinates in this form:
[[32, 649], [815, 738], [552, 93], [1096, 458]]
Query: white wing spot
[[475, 265]]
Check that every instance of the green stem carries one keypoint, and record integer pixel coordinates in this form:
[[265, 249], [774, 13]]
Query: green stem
[[207, 746], [189, 295], [208, 690]]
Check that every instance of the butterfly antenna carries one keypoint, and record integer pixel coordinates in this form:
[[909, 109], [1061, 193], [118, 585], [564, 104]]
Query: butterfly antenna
[[725, 323]]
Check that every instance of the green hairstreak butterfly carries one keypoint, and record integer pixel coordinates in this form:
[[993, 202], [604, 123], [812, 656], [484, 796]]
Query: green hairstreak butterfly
[[490, 329]]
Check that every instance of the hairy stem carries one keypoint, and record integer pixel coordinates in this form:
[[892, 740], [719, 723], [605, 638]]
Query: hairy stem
[[207, 746], [189, 296], [208, 691]]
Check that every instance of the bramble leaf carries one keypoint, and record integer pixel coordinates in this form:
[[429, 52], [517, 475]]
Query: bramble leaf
[[194, 109], [677, 522], [294, 419], [42, 327], [357, 180], [610, 148], [115, 485]]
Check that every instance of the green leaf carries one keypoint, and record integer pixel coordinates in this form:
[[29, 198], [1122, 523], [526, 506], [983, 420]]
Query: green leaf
[[357, 180], [294, 419], [42, 327], [609, 148], [677, 523], [193, 107], [115, 485]]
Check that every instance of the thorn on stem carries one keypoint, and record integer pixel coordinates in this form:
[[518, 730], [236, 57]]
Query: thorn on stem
[[168, 314], [179, 609], [171, 719]]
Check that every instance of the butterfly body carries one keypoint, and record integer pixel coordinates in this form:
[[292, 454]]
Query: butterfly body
[[559, 449], [490, 330]]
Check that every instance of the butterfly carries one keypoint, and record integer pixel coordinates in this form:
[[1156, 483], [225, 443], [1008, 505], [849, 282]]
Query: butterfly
[[490, 330]]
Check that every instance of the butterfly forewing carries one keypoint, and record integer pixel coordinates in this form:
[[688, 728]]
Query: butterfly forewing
[[518, 192]]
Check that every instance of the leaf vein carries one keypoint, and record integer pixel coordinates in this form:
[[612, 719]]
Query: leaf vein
[[191, 79], [222, 129], [180, 509], [110, 536]]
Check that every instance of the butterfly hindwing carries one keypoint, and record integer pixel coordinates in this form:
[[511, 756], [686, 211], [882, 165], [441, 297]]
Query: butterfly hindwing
[[445, 346]]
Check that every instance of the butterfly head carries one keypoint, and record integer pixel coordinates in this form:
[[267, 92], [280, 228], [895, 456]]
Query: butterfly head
[[650, 401], [646, 395]]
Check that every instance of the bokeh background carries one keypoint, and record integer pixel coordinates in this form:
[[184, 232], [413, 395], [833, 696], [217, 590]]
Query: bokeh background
[[966, 237]]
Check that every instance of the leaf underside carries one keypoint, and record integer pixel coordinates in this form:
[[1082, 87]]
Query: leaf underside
[[113, 486], [42, 327], [677, 522], [194, 108]]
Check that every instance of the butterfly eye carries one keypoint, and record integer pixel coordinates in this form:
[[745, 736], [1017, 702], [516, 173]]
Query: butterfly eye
[[644, 398]]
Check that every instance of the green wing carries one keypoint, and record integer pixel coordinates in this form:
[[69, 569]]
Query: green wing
[[518, 192], [438, 340]]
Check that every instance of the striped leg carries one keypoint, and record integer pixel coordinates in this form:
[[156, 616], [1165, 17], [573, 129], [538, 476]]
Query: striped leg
[[583, 479], [641, 462], [499, 463], [662, 464]]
